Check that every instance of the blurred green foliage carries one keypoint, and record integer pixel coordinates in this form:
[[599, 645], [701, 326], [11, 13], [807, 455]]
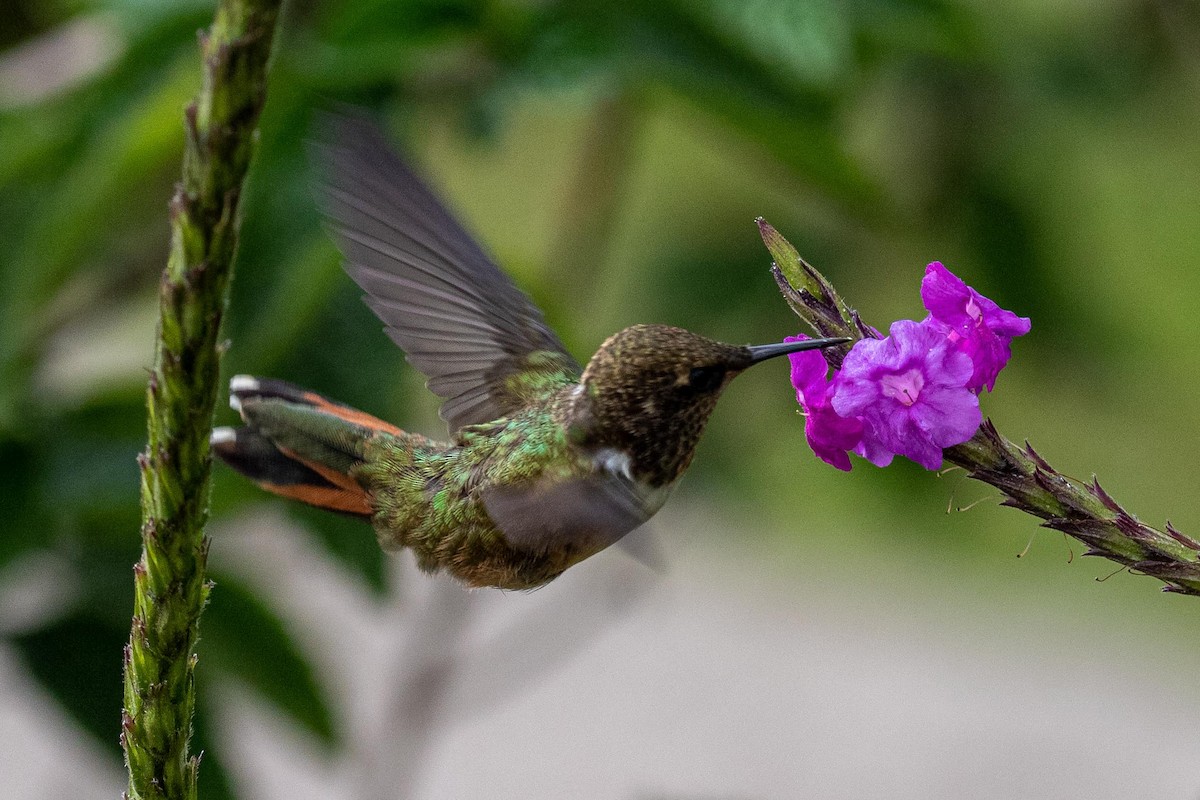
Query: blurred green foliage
[[613, 155]]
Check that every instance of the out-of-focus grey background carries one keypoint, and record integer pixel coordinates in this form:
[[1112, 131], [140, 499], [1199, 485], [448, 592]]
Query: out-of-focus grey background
[[816, 634]]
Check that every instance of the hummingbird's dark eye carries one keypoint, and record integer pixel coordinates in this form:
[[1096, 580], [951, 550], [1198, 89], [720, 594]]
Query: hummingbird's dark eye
[[706, 379]]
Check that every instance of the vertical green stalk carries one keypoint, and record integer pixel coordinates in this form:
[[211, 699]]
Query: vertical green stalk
[[169, 580]]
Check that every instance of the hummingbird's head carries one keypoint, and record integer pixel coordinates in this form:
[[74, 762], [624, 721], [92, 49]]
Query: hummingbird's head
[[649, 390]]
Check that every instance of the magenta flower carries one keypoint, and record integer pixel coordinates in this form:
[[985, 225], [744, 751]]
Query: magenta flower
[[975, 325], [829, 435], [910, 391], [915, 392]]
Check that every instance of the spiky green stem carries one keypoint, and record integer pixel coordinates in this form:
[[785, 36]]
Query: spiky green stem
[[169, 580], [1085, 511]]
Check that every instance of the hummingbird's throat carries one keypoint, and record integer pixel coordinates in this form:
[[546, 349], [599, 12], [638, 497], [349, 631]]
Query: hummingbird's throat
[[615, 461], [650, 497]]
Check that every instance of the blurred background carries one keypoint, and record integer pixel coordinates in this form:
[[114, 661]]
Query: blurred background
[[815, 634]]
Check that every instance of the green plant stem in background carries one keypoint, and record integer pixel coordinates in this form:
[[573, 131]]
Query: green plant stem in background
[[170, 584], [1084, 511]]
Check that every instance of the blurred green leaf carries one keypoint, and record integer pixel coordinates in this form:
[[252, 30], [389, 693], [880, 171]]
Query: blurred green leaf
[[806, 41], [77, 659], [214, 781], [25, 513], [349, 540], [244, 638]]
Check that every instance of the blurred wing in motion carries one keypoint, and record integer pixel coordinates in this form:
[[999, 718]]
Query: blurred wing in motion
[[585, 513], [481, 341], [643, 545]]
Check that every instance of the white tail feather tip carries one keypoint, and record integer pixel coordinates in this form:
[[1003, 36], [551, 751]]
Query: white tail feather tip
[[222, 435], [244, 383]]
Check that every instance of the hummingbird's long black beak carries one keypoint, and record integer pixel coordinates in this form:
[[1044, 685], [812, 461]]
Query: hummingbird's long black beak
[[761, 352]]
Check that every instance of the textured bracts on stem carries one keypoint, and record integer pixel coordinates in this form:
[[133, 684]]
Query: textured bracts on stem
[[1086, 512], [169, 581], [811, 296]]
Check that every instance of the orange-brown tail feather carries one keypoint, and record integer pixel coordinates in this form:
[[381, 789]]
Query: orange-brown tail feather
[[298, 444]]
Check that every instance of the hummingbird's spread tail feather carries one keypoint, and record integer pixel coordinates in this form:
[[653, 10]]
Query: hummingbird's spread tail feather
[[298, 444], [257, 457]]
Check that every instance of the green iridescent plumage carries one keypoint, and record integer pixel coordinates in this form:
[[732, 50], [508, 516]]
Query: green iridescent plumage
[[433, 498]]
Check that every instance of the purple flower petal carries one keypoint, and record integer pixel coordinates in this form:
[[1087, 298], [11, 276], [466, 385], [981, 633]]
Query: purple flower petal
[[974, 323], [946, 296], [910, 390], [808, 371], [946, 418], [829, 435], [874, 450]]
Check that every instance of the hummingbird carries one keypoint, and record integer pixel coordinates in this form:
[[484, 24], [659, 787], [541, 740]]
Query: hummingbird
[[547, 462]]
